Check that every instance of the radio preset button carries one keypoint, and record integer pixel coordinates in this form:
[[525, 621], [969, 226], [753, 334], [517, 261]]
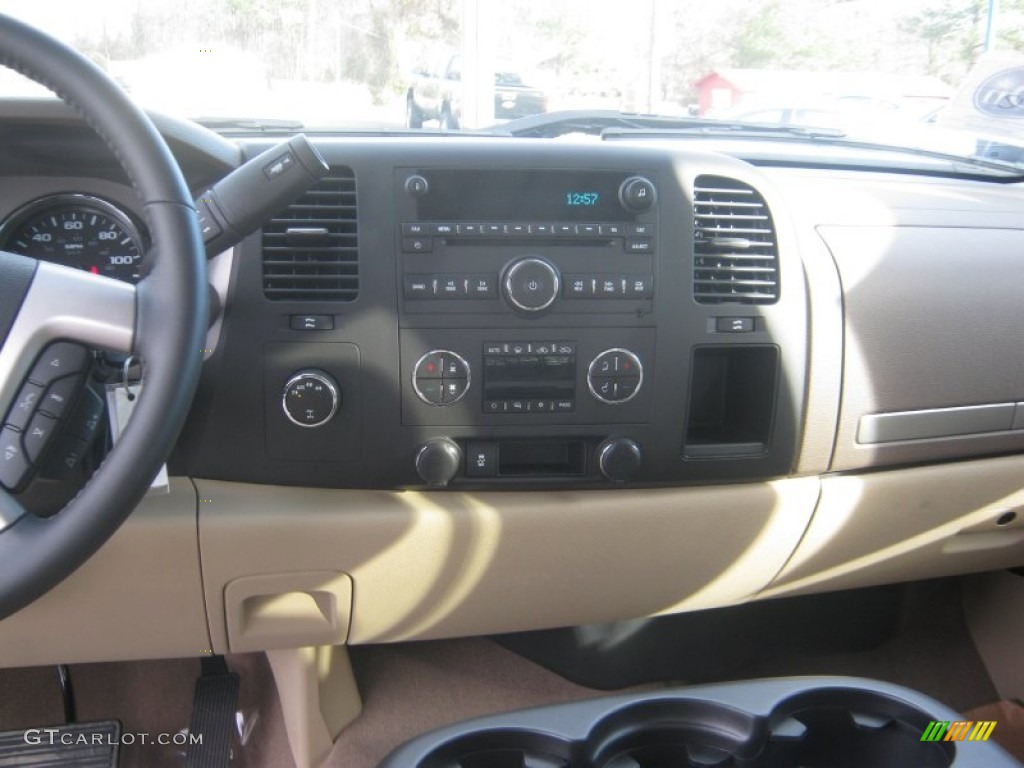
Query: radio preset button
[[482, 287], [451, 287], [639, 286]]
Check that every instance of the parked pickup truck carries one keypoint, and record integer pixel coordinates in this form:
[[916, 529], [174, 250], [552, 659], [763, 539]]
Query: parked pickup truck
[[436, 94]]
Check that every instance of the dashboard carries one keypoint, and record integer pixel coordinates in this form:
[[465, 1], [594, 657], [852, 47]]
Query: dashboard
[[742, 379]]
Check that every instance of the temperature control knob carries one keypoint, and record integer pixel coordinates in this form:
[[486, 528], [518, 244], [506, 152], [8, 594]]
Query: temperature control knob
[[531, 284], [618, 458], [438, 460], [311, 398], [615, 376]]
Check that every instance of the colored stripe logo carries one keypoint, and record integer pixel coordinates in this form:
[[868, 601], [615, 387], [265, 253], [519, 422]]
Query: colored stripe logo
[[958, 730]]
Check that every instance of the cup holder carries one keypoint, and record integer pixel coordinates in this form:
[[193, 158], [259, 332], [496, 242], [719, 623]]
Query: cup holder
[[676, 733], [500, 748], [783, 723], [842, 728]]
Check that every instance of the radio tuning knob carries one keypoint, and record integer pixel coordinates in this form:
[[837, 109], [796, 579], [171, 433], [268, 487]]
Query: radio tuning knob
[[619, 458], [637, 194], [531, 284], [438, 461]]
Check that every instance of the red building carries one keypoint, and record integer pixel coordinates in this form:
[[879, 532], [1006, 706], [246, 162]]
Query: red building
[[725, 91]]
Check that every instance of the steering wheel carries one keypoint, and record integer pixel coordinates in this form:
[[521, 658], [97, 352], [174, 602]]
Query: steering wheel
[[162, 320]]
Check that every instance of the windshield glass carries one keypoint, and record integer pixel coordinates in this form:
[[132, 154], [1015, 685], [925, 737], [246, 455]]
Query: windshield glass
[[941, 74]]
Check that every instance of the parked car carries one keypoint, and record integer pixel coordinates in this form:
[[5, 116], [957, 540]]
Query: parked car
[[436, 94]]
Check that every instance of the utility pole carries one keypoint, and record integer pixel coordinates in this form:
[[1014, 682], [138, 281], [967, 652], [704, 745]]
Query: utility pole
[[477, 64], [990, 25]]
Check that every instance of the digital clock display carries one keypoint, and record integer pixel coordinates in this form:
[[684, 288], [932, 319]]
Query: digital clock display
[[533, 195], [582, 198]]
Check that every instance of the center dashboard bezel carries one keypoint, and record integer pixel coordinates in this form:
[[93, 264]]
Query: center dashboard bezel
[[382, 424]]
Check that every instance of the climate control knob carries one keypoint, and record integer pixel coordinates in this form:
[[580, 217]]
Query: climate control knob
[[438, 461], [310, 398], [619, 458], [615, 376], [531, 284]]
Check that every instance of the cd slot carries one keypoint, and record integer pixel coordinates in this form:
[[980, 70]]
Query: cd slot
[[458, 242]]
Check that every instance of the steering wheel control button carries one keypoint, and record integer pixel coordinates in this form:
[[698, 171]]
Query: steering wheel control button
[[58, 360], [441, 377], [59, 395], [65, 457], [438, 461], [531, 285], [24, 405], [481, 459], [88, 415], [310, 398], [14, 466], [615, 376], [38, 435]]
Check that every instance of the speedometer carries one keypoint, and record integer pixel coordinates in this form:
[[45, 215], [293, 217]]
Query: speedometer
[[78, 231]]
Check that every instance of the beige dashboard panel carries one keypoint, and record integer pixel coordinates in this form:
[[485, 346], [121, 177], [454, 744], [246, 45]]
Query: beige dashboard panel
[[139, 597], [925, 310], [428, 565], [910, 524]]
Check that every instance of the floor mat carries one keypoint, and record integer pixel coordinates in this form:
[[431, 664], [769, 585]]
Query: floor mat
[[82, 745], [1009, 719]]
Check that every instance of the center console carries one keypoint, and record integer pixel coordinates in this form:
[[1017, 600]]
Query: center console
[[516, 315], [816, 722]]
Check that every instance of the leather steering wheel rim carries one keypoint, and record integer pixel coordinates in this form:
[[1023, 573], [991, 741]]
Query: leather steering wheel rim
[[167, 319]]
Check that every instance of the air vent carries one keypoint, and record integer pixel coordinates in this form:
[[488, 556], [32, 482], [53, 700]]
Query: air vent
[[734, 248], [310, 249]]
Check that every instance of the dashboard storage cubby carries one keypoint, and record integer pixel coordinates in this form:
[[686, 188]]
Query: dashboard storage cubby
[[812, 722], [732, 401]]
